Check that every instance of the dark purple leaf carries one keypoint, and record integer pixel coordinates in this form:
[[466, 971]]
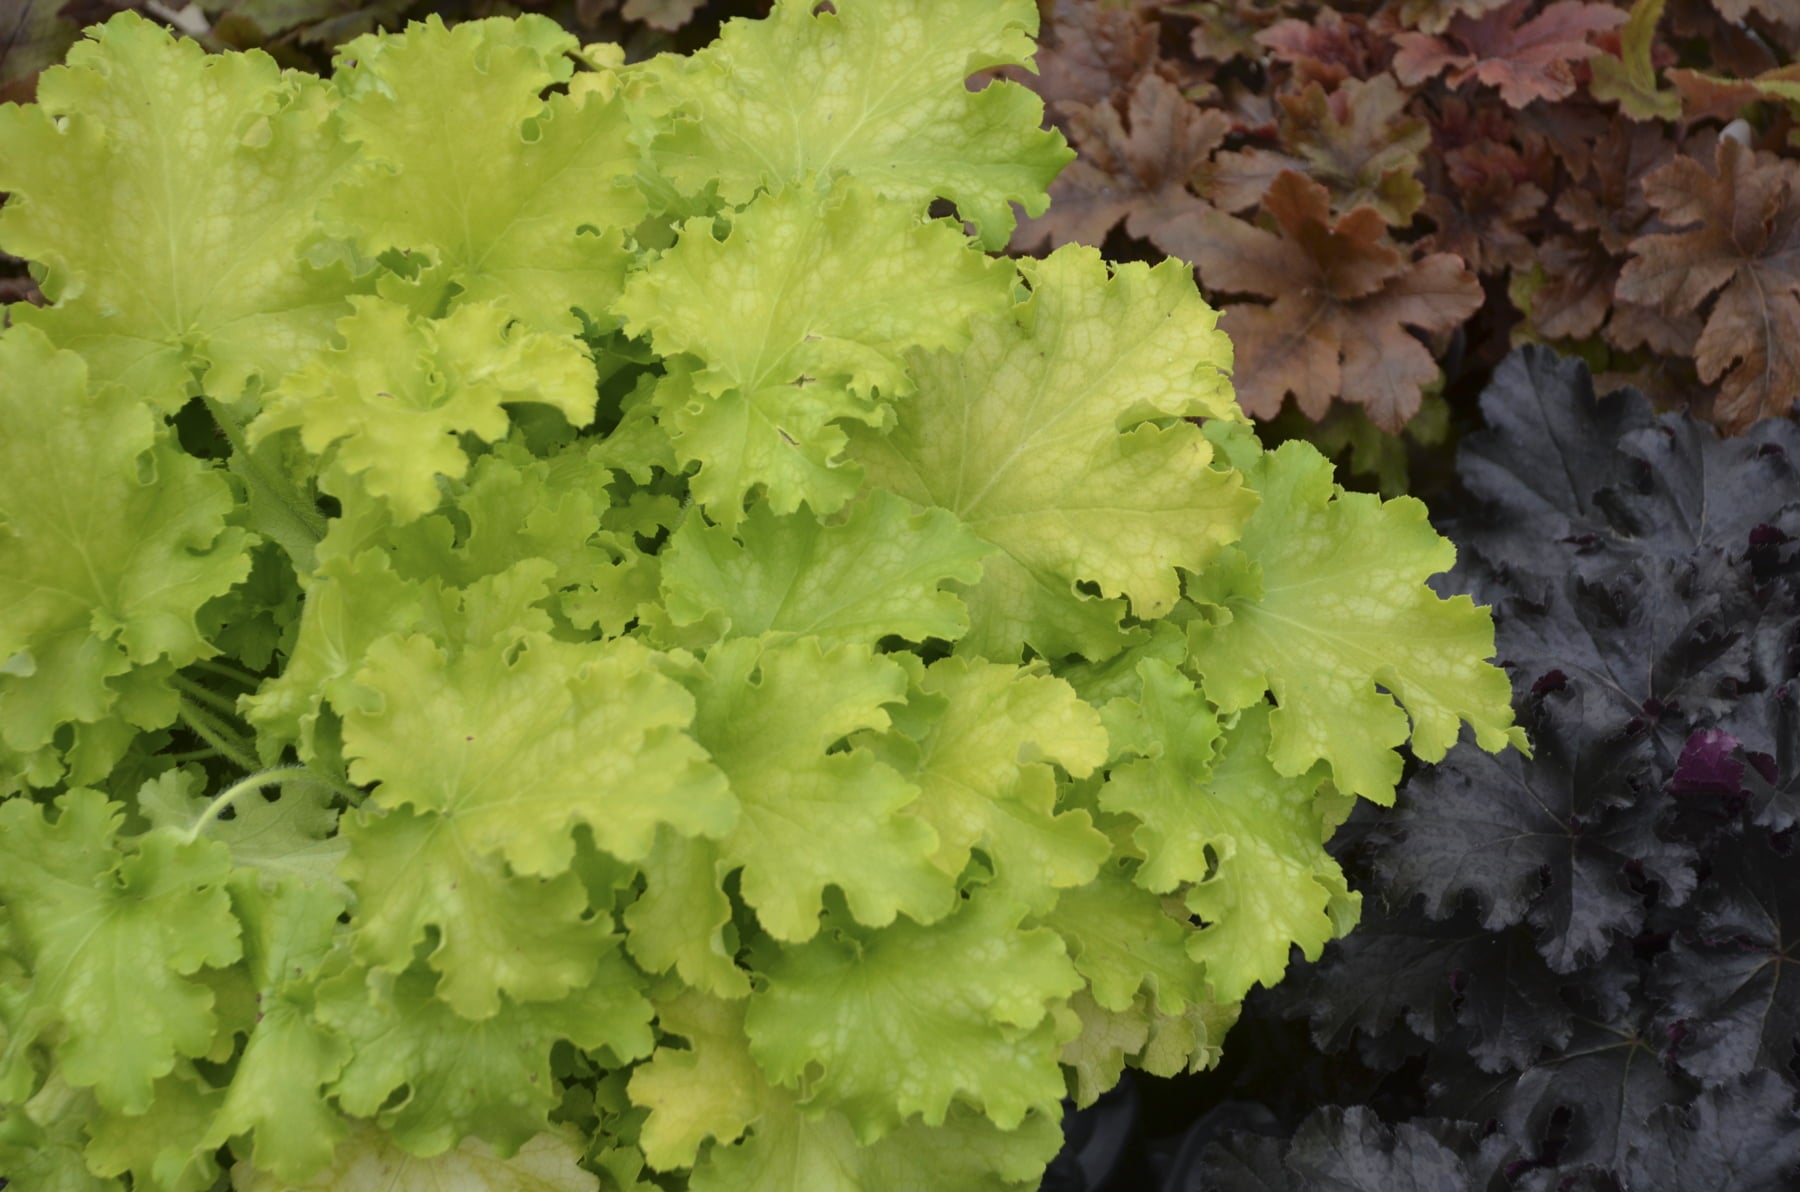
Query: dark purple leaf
[[1744, 1137], [1734, 982]]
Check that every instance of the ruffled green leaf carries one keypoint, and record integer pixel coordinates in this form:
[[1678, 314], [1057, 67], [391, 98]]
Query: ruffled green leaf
[[878, 572], [882, 1024], [1144, 1038], [287, 838], [799, 318], [708, 1088], [516, 743], [390, 402], [811, 815], [1124, 941], [885, 102], [171, 194], [1274, 886], [1244, 843], [277, 1091], [1324, 599], [82, 915], [682, 919], [790, 1148], [519, 200], [1173, 732], [352, 603], [497, 932], [491, 1078], [1055, 437], [165, 1147], [512, 507], [42, 1140], [546, 1163], [982, 741], [713, 1089], [100, 579]]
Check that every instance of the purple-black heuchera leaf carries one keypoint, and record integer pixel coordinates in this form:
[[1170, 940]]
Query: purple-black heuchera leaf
[[1548, 449], [1733, 981], [1656, 645], [1558, 839], [1350, 1150], [1452, 983], [1742, 1137], [1586, 1103]]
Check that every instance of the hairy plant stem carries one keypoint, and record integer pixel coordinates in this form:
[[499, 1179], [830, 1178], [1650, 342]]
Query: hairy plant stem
[[206, 695], [232, 747], [252, 783], [227, 671]]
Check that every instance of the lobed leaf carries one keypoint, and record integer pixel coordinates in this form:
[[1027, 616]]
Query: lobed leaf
[[1309, 613], [1342, 330], [811, 815], [389, 404], [886, 104], [548, 1162], [814, 334], [515, 743], [886, 1023], [172, 197], [487, 1079], [1525, 59], [984, 742], [1049, 438], [880, 571], [519, 200], [1746, 249], [100, 584], [81, 911]]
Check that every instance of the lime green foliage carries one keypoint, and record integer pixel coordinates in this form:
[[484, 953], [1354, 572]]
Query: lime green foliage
[[389, 404], [910, 1019], [1304, 609], [810, 816], [277, 1096], [115, 943], [580, 719], [799, 318], [548, 1163], [1055, 437], [512, 198], [879, 570], [653, 656], [171, 196], [983, 741], [100, 581], [884, 102]]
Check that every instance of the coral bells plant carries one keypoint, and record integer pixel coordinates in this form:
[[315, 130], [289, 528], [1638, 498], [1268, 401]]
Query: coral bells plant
[[1367, 187], [557, 630]]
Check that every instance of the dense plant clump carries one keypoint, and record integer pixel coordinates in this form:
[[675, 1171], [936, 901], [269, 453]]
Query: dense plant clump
[[1578, 969], [559, 630], [1360, 182], [35, 34]]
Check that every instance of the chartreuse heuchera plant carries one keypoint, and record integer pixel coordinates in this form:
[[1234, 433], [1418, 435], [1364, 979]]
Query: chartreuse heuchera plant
[[558, 630]]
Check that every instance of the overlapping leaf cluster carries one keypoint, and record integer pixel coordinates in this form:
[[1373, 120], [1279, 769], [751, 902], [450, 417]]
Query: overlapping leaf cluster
[[1592, 951], [556, 629], [35, 34], [1363, 185]]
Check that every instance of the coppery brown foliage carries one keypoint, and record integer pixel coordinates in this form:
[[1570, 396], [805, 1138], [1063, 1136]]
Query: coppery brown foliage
[[1524, 170]]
